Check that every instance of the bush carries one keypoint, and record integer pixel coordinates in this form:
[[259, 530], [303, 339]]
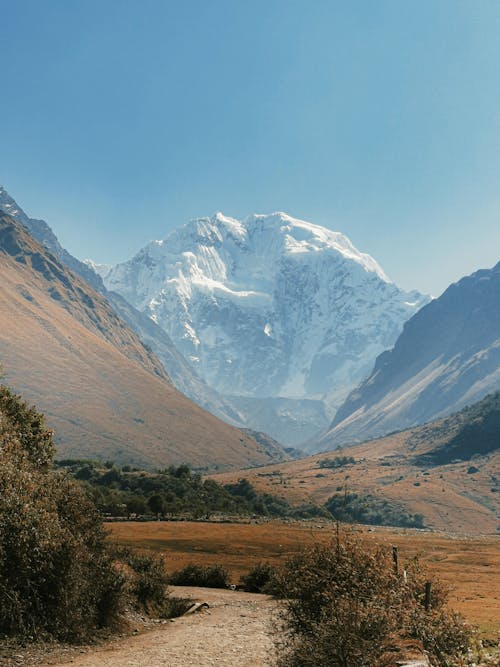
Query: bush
[[343, 601], [212, 576], [367, 509], [337, 462], [260, 579], [147, 584], [56, 577], [27, 426]]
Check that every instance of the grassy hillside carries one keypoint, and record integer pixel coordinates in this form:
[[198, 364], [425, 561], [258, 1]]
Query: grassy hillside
[[446, 471], [473, 431]]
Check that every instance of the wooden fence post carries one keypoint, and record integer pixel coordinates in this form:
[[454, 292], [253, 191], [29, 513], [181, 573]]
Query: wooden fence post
[[395, 559], [427, 601]]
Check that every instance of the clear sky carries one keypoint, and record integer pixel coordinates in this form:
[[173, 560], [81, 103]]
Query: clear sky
[[122, 119]]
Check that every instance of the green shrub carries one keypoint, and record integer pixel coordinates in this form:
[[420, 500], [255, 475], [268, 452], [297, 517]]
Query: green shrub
[[343, 601], [337, 462], [147, 584], [56, 577], [367, 509], [149, 580], [211, 576], [260, 579]]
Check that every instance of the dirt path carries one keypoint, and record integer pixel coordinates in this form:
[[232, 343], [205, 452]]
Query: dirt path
[[233, 632]]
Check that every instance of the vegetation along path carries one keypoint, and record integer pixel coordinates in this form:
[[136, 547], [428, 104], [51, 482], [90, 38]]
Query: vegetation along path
[[233, 632]]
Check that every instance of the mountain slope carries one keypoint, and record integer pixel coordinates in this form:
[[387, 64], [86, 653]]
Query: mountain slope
[[269, 308], [63, 347], [180, 372], [447, 356], [41, 231], [446, 470], [472, 432]]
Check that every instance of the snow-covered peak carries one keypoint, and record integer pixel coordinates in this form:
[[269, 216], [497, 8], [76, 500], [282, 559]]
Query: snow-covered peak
[[100, 269], [268, 306], [301, 236], [266, 238]]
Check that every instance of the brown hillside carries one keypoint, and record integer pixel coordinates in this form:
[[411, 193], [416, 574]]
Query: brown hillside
[[450, 497], [63, 348]]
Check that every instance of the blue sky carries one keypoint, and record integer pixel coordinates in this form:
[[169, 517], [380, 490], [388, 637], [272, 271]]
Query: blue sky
[[381, 119]]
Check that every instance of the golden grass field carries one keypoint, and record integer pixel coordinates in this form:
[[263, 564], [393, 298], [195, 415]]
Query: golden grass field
[[470, 565]]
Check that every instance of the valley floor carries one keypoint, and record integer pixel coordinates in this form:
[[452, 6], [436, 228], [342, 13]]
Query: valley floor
[[470, 565], [234, 631]]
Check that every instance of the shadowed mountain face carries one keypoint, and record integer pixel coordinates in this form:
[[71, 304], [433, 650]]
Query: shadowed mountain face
[[472, 432], [447, 356], [64, 348]]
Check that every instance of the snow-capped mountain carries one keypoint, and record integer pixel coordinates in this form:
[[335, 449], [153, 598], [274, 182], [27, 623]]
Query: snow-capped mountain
[[107, 396], [268, 307]]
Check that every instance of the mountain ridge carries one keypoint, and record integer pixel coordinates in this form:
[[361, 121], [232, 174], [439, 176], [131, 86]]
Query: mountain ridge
[[447, 356], [181, 373], [446, 470]]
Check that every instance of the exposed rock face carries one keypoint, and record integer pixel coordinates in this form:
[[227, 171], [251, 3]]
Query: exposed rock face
[[272, 307], [447, 356]]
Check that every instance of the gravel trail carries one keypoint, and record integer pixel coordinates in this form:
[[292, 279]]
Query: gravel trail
[[233, 632]]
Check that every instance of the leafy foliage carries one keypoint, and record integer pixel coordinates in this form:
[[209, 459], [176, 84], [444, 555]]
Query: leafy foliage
[[56, 577], [260, 579], [147, 584], [28, 426], [367, 509], [343, 601], [211, 576], [176, 491]]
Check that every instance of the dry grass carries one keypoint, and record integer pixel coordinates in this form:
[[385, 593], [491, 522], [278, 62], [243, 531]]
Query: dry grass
[[470, 565], [449, 498]]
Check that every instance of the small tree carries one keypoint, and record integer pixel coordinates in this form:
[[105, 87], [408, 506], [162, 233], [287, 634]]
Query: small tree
[[156, 504]]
